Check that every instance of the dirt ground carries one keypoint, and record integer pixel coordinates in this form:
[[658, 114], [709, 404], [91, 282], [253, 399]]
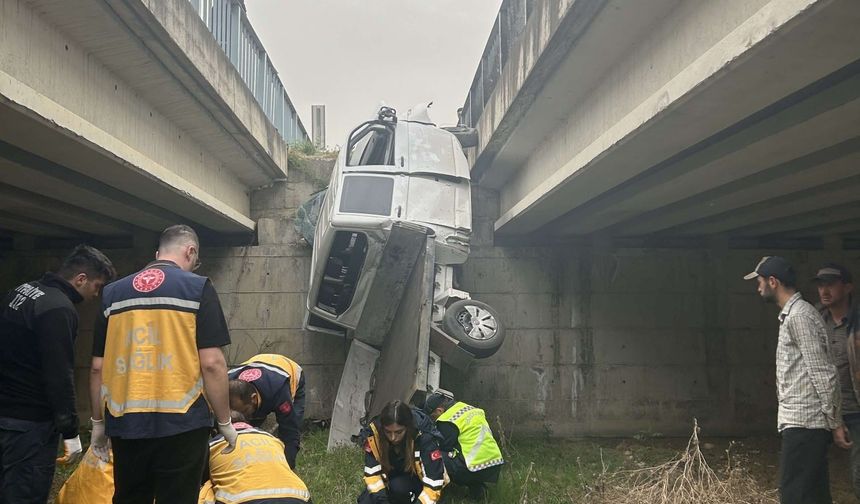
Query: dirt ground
[[758, 455]]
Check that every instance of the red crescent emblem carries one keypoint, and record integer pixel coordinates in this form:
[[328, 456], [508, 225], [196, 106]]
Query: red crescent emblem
[[250, 375], [367, 447], [285, 408], [435, 455], [148, 280]]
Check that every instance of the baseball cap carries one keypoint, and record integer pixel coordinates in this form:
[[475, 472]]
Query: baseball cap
[[831, 272], [773, 266]]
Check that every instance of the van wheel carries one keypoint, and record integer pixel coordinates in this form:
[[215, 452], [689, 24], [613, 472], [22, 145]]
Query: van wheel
[[475, 325]]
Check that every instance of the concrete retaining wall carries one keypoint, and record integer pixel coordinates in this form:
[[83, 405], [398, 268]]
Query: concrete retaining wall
[[626, 341], [600, 341], [262, 290]]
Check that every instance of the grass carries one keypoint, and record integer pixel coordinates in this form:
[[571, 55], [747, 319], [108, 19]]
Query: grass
[[538, 471]]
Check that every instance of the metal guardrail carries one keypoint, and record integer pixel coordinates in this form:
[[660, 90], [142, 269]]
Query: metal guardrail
[[510, 23], [228, 22]]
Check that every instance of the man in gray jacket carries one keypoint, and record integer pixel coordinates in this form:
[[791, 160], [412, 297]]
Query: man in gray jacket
[[842, 318]]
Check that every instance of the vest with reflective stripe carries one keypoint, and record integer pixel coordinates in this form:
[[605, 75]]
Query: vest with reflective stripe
[[151, 363], [256, 469], [277, 362], [91, 483], [477, 444]]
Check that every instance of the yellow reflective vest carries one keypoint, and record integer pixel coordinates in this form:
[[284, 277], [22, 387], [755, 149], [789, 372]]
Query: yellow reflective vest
[[477, 444], [151, 364], [256, 469], [91, 483]]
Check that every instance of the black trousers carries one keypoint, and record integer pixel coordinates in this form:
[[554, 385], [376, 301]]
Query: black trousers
[[804, 476], [167, 469], [28, 451], [854, 428], [402, 489]]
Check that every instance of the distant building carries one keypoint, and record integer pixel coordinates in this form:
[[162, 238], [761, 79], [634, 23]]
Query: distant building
[[318, 125]]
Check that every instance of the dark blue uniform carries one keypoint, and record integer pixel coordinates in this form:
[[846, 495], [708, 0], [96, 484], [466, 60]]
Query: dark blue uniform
[[281, 385]]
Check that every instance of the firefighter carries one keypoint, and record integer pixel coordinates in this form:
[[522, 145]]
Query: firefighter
[[472, 457], [256, 471], [402, 464], [156, 350], [38, 327], [271, 383]]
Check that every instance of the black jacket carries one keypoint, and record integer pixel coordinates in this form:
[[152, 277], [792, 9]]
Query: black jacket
[[38, 326]]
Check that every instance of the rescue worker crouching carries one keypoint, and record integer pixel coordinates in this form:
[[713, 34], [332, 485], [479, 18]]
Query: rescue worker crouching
[[255, 472], [271, 383], [469, 451], [402, 465]]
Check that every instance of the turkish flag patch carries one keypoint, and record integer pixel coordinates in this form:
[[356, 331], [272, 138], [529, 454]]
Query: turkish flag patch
[[285, 408], [250, 374], [367, 447], [436, 455]]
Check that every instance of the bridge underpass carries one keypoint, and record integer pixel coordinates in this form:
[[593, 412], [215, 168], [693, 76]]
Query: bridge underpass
[[121, 117], [118, 119], [665, 123], [636, 159]]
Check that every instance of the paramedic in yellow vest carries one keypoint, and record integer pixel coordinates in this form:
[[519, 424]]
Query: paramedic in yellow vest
[[271, 383], [255, 472], [156, 351], [471, 455], [90, 483], [402, 464]]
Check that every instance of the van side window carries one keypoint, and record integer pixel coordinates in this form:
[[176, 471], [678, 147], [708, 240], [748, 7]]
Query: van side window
[[372, 144]]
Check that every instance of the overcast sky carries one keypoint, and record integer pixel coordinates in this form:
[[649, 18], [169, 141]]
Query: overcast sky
[[352, 54]]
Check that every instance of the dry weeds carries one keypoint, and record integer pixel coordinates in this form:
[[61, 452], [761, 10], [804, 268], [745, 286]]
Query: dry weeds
[[686, 479]]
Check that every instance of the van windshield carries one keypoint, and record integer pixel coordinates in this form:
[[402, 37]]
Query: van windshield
[[372, 144]]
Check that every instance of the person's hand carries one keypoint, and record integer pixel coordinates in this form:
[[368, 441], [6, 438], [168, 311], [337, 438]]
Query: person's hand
[[227, 430], [72, 451], [841, 437], [99, 442]]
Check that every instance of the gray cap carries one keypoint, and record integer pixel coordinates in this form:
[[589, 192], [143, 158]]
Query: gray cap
[[831, 272]]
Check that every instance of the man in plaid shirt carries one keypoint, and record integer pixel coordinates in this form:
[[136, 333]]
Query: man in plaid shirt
[[807, 387]]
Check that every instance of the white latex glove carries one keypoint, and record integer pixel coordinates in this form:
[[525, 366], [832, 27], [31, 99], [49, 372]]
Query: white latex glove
[[72, 451], [99, 442], [227, 430]]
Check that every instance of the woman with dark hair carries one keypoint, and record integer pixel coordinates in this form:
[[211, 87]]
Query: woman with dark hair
[[402, 464]]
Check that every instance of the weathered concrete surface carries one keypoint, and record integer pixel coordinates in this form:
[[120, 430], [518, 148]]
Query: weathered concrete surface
[[262, 291], [132, 111], [607, 341], [668, 118]]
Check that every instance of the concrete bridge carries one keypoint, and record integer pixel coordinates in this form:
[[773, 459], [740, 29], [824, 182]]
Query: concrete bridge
[[118, 118], [636, 160], [667, 122]]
